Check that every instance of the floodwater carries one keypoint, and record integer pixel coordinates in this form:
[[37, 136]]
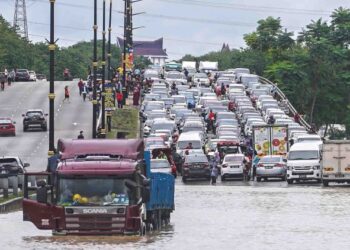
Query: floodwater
[[233, 215]]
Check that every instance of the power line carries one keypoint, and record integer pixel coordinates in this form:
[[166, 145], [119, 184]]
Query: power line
[[245, 7]]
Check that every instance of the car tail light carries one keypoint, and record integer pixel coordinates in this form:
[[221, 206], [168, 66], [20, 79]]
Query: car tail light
[[11, 125], [173, 169], [260, 165], [224, 166]]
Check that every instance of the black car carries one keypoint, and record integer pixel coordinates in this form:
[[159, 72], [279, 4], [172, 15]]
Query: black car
[[34, 118], [22, 75], [196, 165]]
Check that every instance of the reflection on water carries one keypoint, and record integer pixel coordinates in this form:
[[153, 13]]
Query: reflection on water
[[232, 215]]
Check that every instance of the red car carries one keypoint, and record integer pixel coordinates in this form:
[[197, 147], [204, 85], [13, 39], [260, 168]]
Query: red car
[[7, 127]]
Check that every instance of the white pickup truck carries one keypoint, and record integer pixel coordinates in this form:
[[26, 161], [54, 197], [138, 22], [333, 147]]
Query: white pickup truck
[[335, 162]]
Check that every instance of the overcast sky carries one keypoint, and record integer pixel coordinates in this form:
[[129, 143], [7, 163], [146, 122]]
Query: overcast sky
[[188, 26]]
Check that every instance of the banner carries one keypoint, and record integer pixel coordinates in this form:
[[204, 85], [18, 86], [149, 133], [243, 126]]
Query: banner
[[270, 140], [109, 97]]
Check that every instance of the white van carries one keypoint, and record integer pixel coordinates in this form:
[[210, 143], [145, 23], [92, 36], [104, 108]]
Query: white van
[[303, 162], [308, 138], [335, 162], [245, 79], [189, 137]]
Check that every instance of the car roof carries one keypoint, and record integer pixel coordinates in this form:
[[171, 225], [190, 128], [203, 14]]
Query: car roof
[[34, 110]]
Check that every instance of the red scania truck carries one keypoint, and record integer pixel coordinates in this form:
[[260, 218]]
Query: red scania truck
[[100, 187]]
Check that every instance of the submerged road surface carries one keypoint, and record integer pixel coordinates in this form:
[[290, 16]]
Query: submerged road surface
[[70, 118], [233, 215]]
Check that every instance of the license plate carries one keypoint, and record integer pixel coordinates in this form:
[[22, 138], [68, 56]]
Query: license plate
[[302, 176], [339, 175], [234, 166], [268, 167]]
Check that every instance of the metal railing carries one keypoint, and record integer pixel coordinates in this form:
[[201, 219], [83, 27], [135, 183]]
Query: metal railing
[[283, 97]]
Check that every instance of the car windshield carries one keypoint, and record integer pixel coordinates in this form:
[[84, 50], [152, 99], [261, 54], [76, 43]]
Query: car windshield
[[270, 160], [165, 126], [94, 191], [151, 76], [303, 155], [196, 159], [8, 161], [179, 99], [34, 113], [156, 164], [184, 144], [233, 158], [201, 75], [21, 71]]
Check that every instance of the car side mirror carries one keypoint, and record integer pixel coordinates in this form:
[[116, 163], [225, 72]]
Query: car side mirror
[[23, 115], [14, 122], [284, 160], [25, 165]]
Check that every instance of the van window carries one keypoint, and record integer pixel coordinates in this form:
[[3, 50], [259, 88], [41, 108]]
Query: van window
[[308, 139], [303, 155], [184, 144]]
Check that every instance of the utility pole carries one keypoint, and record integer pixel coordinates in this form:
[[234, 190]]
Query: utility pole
[[109, 55], [52, 47], [94, 64], [127, 14], [103, 127], [20, 18]]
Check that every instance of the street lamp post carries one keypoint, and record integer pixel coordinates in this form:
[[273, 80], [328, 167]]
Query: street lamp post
[[52, 47], [103, 127], [109, 55], [94, 64]]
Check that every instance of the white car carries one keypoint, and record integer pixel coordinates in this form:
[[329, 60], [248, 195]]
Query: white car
[[201, 79], [232, 167], [32, 76]]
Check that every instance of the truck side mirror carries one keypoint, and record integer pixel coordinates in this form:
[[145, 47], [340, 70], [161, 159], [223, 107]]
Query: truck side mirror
[[25, 165], [41, 192], [146, 194]]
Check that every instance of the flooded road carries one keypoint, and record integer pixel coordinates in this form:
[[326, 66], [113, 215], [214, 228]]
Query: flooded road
[[233, 215]]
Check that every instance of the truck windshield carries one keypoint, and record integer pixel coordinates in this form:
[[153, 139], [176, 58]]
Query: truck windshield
[[303, 155], [94, 191]]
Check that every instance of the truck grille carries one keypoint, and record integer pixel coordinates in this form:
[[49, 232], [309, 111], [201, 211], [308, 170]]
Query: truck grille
[[303, 168], [95, 222]]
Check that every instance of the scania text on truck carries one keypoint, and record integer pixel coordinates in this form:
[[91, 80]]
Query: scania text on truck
[[99, 187]]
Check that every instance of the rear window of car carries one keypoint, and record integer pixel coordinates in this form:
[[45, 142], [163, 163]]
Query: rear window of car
[[270, 160], [11, 161], [196, 159], [5, 121], [36, 113], [234, 158]]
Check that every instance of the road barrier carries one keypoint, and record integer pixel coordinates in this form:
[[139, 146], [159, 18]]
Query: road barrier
[[283, 97]]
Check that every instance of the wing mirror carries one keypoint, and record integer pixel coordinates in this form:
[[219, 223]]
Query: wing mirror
[[25, 165]]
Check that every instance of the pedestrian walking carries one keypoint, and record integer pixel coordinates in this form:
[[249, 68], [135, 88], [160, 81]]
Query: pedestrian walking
[[81, 86], [214, 174], [136, 96], [2, 81], [84, 92], [120, 99], [81, 135], [66, 94]]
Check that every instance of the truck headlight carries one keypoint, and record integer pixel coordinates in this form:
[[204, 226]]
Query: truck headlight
[[317, 167]]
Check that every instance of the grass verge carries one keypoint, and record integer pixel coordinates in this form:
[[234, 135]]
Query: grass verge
[[124, 120], [11, 196]]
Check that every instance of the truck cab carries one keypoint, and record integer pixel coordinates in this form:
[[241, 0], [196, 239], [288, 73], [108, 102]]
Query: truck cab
[[99, 188]]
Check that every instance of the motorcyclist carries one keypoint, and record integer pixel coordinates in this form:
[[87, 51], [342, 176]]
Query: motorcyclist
[[173, 89], [211, 119], [271, 120]]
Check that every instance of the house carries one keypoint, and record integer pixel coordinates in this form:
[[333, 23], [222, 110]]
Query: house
[[153, 50]]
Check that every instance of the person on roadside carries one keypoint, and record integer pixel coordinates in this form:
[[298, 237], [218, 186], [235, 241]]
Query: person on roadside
[[120, 99], [81, 135], [186, 73], [136, 96], [2, 81], [66, 94], [297, 117], [214, 174], [84, 92], [81, 86]]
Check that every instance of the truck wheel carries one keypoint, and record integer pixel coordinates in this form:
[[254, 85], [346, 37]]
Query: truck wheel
[[319, 181], [325, 183], [283, 178], [258, 179], [142, 229], [290, 181], [223, 178]]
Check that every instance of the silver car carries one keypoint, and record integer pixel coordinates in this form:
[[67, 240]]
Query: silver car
[[271, 166]]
